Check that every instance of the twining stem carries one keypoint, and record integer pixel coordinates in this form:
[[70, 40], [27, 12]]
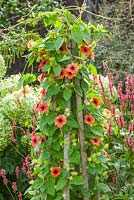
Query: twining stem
[[82, 139], [66, 192]]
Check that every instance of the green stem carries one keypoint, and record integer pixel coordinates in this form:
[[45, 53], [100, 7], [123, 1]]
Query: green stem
[[10, 193], [18, 151]]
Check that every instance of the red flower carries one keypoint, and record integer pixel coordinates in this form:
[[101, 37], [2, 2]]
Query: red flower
[[42, 63], [96, 101], [69, 74], [55, 171], [60, 121], [85, 50], [73, 68], [43, 139], [63, 47], [63, 73], [43, 93], [35, 140], [42, 107], [89, 119], [96, 141]]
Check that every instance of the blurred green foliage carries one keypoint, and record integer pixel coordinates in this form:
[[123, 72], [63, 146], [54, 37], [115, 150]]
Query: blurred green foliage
[[12, 10]]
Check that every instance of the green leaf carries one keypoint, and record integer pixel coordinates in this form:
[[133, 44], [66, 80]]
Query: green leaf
[[61, 184], [51, 130], [84, 85], [50, 188], [64, 58], [57, 70], [43, 122], [102, 187], [26, 79], [50, 45], [35, 198], [68, 16], [78, 90], [50, 118], [72, 122], [97, 130], [77, 180], [53, 90], [81, 107], [20, 82], [59, 196], [75, 157], [86, 35], [58, 43], [108, 36], [45, 83], [67, 94], [38, 183], [36, 171], [93, 69], [46, 67], [77, 34], [31, 60], [61, 102]]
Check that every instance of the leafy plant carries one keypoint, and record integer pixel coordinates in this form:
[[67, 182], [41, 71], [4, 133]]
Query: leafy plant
[[70, 119]]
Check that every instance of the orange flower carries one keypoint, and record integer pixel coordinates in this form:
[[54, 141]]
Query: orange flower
[[35, 140], [96, 141], [63, 73], [43, 93], [73, 68], [85, 50], [69, 74], [60, 121], [55, 171], [89, 119], [96, 101], [42, 107], [42, 63], [63, 47]]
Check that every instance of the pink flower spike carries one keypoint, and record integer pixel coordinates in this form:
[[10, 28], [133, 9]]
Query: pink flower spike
[[14, 186]]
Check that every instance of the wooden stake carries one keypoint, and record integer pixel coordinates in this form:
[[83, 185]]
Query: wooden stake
[[82, 139]]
